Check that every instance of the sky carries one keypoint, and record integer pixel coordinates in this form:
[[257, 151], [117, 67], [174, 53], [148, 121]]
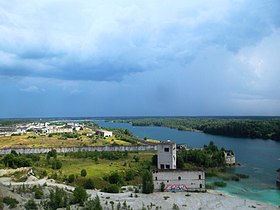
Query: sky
[[75, 58]]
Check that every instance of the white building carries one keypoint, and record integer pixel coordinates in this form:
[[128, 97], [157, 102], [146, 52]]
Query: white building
[[230, 157], [172, 179], [104, 133], [166, 153], [58, 130], [176, 180]]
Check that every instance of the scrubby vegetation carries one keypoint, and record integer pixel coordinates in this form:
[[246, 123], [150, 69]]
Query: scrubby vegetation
[[208, 157], [14, 160], [11, 202]]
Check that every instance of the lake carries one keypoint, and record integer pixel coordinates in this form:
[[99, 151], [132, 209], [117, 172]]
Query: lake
[[258, 158]]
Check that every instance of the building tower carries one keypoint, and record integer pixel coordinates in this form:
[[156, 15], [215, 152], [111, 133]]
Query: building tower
[[166, 153]]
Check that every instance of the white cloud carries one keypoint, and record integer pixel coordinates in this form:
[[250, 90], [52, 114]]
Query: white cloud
[[32, 89]]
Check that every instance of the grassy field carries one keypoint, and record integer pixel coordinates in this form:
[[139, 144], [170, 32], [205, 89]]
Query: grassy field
[[33, 140], [97, 170]]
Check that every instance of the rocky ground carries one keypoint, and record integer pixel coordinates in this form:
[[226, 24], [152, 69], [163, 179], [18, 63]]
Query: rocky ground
[[210, 200]]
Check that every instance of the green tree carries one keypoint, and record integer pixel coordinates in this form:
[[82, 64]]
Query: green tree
[[162, 187], [155, 160], [147, 182], [80, 195], [179, 162], [57, 199], [94, 204], [83, 173]]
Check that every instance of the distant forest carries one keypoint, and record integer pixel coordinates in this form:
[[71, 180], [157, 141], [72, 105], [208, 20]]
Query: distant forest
[[263, 128]]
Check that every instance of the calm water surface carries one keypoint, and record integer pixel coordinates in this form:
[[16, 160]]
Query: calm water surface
[[259, 158]]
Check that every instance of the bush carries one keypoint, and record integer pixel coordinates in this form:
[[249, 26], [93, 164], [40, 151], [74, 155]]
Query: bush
[[113, 188], [56, 164], [31, 205], [38, 192], [11, 202], [115, 178], [83, 173], [71, 178], [89, 184], [129, 175]]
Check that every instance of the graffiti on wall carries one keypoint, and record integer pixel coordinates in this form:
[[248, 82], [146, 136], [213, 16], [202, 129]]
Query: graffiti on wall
[[175, 188]]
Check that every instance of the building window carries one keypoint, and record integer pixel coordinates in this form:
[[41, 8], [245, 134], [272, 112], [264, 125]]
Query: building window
[[156, 177], [161, 166], [200, 186], [166, 149], [179, 178], [167, 181], [167, 166], [199, 176]]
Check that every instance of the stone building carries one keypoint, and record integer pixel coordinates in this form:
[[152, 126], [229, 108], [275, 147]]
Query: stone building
[[229, 157], [179, 180], [171, 179], [166, 155]]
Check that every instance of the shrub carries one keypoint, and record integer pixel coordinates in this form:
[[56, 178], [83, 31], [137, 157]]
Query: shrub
[[115, 178], [11, 202], [71, 178], [113, 188], [175, 206], [89, 184], [31, 205], [56, 164], [38, 192], [83, 173], [129, 175]]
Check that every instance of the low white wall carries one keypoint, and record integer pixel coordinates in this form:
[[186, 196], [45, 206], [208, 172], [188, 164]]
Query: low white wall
[[76, 149]]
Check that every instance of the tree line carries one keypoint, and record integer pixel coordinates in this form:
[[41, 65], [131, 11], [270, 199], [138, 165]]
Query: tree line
[[263, 128]]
